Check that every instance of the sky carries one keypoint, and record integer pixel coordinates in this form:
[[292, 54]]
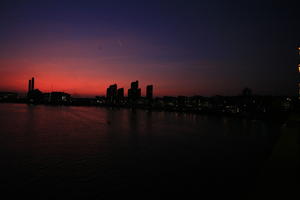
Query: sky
[[181, 47]]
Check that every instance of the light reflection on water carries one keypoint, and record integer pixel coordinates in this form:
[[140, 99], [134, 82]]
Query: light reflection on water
[[82, 151]]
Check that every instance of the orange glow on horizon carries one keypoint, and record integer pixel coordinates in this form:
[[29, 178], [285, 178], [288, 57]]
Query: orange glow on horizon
[[71, 75], [85, 87], [81, 69]]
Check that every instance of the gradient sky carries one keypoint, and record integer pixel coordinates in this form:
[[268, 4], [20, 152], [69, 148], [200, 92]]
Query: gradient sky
[[181, 47]]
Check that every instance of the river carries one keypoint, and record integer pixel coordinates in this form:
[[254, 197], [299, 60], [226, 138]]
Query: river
[[66, 152]]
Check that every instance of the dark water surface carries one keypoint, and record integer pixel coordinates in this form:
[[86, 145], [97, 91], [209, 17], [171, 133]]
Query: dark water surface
[[88, 152]]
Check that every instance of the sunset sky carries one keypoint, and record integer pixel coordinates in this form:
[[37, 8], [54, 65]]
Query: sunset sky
[[181, 47]]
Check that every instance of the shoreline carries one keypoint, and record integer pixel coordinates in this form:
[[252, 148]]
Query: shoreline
[[275, 117]]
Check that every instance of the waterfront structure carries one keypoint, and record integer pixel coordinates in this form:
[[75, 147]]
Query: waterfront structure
[[182, 101], [245, 102], [111, 93], [120, 95], [134, 93], [31, 84], [34, 95], [149, 92], [8, 96], [57, 98]]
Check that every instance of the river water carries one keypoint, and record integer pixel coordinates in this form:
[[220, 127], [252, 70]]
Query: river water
[[90, 152]]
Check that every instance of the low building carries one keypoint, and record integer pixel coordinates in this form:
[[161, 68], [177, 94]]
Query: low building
[[57, 98], [8, 96]]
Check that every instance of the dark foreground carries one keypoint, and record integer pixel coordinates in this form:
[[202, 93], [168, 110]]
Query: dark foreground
[[98, 153]]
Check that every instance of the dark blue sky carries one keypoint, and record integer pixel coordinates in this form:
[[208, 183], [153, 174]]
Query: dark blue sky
[[182, 47]]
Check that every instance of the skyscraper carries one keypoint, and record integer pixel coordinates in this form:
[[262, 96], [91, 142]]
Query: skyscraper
[[149, 92], [32, 83], [29, 85], [135, 85], [111, 93], [134, 92], [120, 93]]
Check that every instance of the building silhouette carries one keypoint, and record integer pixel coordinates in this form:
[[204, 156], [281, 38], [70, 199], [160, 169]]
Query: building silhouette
[[244, 104], [56, 98], [149, 92], [120, 96], [8, 96], [34, 95], [182, 101], [31, 84], [111, 94], [134, 93], [120, 93], [247, 92]]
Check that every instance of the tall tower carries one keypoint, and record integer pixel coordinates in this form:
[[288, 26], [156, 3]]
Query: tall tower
[[32, 83], [135, 85], [29, 85], [111, 93], [149, 92]]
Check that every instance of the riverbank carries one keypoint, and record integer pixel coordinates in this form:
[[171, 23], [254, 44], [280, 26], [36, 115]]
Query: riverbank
[[279, 117]]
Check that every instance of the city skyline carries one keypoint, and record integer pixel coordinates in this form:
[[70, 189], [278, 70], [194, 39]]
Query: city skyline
[[112, 91], [150, 99], [145, 92], [195, 48]]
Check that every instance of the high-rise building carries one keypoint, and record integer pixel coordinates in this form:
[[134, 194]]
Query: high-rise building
[[149, 91], [120, 96], [134, 92], [32, 83], [120, 93], [111, 93], [29, 85], [135, 85]]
